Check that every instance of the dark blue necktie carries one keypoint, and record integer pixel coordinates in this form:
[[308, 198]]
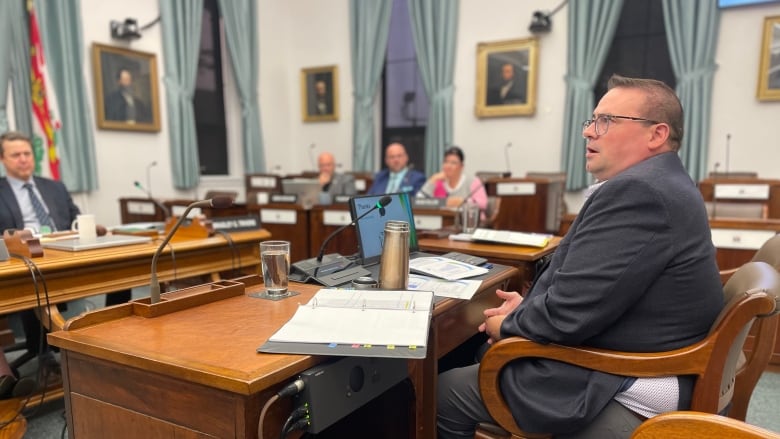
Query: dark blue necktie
[[43, 217]]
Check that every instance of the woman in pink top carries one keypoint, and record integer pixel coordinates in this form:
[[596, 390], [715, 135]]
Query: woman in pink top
[[452, 184]]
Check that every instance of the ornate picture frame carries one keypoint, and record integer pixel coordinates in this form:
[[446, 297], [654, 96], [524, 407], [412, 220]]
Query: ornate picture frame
[[320, 94], [506, 78], [126, 95], [769, 69]]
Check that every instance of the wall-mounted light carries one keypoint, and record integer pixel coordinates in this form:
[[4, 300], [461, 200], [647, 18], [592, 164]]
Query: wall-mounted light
[[129, 29], [541, 21], [125, 30]]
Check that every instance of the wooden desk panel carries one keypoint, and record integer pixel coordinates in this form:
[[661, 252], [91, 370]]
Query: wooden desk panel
[[772, 201], [325, 220], [74, 275], [197, 370], [288, 222]]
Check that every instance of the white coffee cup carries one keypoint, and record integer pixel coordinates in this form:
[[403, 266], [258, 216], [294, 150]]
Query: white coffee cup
[[85, 224]]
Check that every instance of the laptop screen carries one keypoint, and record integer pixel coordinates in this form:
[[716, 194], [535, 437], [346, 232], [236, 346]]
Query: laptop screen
[[307, 190], [371, 229]]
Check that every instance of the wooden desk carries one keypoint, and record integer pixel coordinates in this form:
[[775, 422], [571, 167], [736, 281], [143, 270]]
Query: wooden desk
[[195, 372], [522, 258], [74, 275]]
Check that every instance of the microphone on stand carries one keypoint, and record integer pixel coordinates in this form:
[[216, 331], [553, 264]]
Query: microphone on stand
[[311, 156], [506, 156], [156, 202], [149, 177], [714, 189], [217, 203], [728, 147], [384, 201]]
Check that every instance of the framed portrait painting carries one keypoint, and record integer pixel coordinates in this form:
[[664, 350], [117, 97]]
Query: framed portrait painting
[[320, 93], [126, 96], [506, 78], [769, 70]]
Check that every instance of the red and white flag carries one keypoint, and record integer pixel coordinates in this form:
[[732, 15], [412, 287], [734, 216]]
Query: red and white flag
[[46, 112]]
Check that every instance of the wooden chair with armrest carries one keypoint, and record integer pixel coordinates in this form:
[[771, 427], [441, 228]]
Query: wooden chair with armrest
[[752, 292], [697, 425], [752, 365]]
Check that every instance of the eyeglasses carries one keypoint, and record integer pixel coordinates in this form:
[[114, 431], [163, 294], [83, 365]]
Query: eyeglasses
[[602, 122]]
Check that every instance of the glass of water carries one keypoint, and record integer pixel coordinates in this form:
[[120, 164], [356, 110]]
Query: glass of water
[[275, 257]]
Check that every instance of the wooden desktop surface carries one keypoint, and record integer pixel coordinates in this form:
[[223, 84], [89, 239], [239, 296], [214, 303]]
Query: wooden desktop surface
[[74, 275], [196, 372]]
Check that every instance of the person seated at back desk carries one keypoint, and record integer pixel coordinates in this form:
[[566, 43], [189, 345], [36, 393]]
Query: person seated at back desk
[[333, 183], [37, 203], [398, 177], [451, 183]]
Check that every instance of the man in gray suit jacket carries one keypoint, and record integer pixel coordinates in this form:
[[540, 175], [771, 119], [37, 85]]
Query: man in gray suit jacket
[[332, 182], [636, 272]]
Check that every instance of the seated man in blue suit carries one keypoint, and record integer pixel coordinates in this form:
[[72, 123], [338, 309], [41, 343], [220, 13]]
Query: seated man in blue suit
[[37, 203], [398, 177]]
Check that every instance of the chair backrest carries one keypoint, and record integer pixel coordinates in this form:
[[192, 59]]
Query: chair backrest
[[697, 425], [769, 252], [750, 281]]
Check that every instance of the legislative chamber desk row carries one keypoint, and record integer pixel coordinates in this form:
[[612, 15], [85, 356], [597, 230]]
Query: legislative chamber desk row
[[193, 371], [74, 275]]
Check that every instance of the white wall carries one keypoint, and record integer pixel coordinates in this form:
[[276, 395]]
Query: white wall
[[296, 34]]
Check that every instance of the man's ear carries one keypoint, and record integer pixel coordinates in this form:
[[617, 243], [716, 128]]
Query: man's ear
[[659, 135]]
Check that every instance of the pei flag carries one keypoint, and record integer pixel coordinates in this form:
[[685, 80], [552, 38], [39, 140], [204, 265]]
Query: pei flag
[[45, 111]]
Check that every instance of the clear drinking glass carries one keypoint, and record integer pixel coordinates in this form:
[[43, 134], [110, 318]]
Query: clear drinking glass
[[469, 217], [275, 257]]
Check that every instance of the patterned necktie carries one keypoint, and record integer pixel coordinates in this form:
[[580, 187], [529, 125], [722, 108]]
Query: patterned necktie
[[43, 217]]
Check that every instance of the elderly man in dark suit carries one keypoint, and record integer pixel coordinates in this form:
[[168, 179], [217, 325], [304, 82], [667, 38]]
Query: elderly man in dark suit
[[333, 183], [635, 272]]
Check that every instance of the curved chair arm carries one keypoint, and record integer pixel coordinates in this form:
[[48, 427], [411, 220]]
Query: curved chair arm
[[704, 359], [697, 425]]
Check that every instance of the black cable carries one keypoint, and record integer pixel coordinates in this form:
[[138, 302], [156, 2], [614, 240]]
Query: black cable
[[297, 415], [234, 254], [298, 425]]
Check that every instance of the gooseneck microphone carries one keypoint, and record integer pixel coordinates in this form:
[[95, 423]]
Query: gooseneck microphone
[[506, 156], [728, 147], [156, 202], [384, 201], [217, 203], [311, 156], [714, 190], [149, 177]]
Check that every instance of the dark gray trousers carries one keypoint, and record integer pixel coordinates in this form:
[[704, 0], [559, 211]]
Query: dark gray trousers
[[460, 409]]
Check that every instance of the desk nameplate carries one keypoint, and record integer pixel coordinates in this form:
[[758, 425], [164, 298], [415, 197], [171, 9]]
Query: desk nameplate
[[428, 222], [742, 191], [141, 208], [741, 239], [336, 217], [524, 188], [278, 216]]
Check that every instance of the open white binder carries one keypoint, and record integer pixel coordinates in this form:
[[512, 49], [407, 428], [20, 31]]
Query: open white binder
[[358, 322]]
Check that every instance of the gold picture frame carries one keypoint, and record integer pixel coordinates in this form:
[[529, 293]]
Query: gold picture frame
[[320, 94], [506, 78], [126, 96], [769, 70]]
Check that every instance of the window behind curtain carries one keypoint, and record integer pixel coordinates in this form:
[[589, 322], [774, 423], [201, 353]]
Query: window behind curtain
[[404, 104], [209, 97], [639, 48]]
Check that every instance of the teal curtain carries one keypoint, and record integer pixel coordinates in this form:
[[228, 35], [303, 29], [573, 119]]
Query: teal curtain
[[692, 36], [5, 68], [20, 66], [435, 32], [369, 24], [592, 26], [181, 24], [60, 26], [240, 18]]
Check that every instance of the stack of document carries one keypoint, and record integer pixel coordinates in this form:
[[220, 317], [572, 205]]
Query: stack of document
[[512, 238], [445, 268]]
